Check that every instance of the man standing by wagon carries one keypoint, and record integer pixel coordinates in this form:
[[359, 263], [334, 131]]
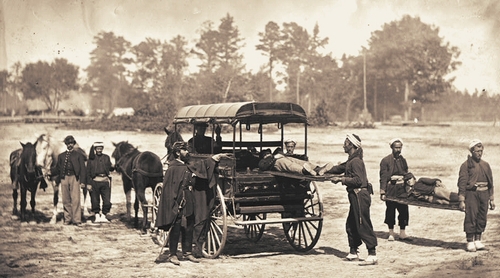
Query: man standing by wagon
[[359, 227], [393, 169], [71, 170], [186, 200], [475, 193]]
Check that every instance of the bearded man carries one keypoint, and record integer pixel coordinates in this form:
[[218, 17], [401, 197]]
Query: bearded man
[[475, 194], [186, 199]]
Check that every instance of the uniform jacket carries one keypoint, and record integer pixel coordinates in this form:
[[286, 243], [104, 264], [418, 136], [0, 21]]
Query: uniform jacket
[[78, 161], [92, 166], [468, 175], [387, 166], [354, 171]]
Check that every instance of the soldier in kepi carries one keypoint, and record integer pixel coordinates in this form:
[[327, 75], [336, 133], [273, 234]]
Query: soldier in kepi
[[475, 194]]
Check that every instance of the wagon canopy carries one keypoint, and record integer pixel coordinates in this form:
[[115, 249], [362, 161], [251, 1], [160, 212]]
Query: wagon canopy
[[243, 112]]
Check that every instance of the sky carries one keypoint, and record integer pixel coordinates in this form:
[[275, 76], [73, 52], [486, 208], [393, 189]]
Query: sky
[[34, 30]]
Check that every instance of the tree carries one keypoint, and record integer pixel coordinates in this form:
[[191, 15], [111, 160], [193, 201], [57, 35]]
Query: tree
[[159, 75], [413, 57], [49, 82], [221, 67], [107, 70], [206, 47], [270, 44], [300, 53]]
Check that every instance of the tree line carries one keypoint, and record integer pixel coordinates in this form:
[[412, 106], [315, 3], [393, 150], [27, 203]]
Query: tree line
[[402, 71]]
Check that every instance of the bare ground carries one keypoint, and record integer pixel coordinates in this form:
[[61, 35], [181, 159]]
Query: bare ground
[[39, 249]]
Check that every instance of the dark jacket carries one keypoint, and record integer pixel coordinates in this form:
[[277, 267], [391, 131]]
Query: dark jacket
[[177, 197], [78, 161], [354, 171], [387, 166], [99, 164], [468, 175]]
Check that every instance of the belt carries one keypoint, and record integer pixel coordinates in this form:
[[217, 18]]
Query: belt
[[356, 190], [477, 188], [101, 179]]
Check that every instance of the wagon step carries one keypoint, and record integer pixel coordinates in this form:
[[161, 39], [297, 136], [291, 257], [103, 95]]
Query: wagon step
[[278, 220]]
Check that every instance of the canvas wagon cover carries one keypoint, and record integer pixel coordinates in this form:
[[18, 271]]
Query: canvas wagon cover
[[244, 112]]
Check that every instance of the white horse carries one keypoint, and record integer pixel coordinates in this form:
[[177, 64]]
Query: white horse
[[47, 150]]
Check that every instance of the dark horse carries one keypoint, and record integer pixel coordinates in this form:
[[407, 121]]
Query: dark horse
[[23, 175], [139, 171], [172, 137]]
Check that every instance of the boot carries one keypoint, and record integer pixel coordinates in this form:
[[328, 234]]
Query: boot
[[471, 247], [403, 236], [191, 258], [174, 260], [391, 235]]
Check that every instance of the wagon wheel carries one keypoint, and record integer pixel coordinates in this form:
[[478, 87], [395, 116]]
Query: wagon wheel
[[217, 231], [162, 235], [254, 232], [303, 235]]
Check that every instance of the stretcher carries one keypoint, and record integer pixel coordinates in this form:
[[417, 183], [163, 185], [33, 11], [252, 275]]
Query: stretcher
[[323, 178], [414, 202]]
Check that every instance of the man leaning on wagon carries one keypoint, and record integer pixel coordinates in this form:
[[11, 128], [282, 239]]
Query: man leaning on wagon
[[475, 193]]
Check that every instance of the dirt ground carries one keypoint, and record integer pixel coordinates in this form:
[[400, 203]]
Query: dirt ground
[[39, 249]]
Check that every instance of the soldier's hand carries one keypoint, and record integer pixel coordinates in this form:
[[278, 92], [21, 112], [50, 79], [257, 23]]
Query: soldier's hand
[[382, 197], [492, 205], [461, 205], [336, 179], [89, 187]]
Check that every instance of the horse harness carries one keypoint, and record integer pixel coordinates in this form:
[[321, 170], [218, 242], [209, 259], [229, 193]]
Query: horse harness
[[126, 158]]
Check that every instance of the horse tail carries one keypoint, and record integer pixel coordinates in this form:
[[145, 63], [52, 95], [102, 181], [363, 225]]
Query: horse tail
[[15, 157]]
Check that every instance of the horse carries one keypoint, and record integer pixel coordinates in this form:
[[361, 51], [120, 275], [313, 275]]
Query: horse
[[139, 170], [24, 176], [47, 150], [172, 137]]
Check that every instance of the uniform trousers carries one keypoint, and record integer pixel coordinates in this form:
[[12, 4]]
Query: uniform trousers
[[101, 190], [476, 210], [359, 226], [70, 191], [390, 214]]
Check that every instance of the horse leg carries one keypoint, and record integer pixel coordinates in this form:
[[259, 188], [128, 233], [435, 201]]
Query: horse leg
[[136, 209], [23, 204], [14, 198], [127, 188], [128, 197], [141, 198], [84, 206], [55, 200], [33, 203]]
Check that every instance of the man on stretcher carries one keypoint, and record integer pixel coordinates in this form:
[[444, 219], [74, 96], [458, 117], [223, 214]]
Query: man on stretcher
[[431, 190]]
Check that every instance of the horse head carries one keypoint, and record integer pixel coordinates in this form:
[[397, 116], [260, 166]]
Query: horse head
[[45, 152], [121, 149], [28, 159], [172, 137]]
